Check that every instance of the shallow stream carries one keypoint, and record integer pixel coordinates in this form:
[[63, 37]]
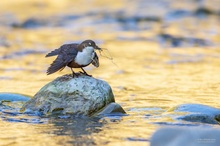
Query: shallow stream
[[165, 53]]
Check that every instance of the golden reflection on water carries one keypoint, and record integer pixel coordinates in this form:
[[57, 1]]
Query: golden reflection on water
[[144, 79], [146, 75]]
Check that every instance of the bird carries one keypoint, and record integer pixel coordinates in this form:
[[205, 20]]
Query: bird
[[74, 55]]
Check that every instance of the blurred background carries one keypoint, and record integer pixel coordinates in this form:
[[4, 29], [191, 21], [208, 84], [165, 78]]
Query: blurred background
[[165, 53]]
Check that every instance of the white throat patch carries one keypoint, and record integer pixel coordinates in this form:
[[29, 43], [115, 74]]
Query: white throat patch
[[85, 57]]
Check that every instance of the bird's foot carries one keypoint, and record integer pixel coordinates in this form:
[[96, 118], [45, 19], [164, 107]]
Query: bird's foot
[[74, 75], [84, 73]]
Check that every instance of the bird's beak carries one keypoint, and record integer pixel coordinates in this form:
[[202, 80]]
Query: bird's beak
[[97, 48]]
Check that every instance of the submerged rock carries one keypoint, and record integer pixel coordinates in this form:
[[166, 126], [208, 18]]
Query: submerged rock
[[167, 40], [10, 97], [110, 109], [195, 113], [187, 136], [82, 95]]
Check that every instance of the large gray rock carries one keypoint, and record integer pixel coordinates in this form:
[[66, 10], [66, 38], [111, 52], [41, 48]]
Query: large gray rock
[[82, 95], [187, 136]]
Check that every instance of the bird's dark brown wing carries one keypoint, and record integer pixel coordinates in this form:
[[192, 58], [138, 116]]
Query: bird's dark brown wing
[[66, 54], [53, 53], [58, 64], [65, 47]]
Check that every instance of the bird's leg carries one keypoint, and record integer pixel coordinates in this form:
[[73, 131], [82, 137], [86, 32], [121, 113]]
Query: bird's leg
[[73, 73], [84, 72]]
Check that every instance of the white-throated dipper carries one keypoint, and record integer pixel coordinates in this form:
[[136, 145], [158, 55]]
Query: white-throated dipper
[[74, 56]]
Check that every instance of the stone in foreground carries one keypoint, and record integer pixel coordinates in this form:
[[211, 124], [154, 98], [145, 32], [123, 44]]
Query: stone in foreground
[[82, 95], [187, 136]]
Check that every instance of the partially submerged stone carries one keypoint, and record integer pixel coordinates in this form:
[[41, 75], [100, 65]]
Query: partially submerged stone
[[82, 95], [9, 97], [195, 113], [187, 136], [112, 108]]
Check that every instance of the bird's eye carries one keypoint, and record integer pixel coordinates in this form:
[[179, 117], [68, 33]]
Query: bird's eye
[[90, 44]]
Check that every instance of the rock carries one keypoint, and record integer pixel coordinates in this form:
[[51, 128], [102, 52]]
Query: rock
[[203, 12], [187, 136], [30, 23], [13, 97], [168, 40], [112, 108], [195, 113], [82, 95], [11, 103]]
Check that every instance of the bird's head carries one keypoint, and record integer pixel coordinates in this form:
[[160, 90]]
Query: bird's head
[[89, 43]]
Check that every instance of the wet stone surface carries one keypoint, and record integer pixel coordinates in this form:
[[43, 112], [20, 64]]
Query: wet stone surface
[[81, 95]]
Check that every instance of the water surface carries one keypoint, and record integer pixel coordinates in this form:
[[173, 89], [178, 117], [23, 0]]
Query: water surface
[[166, 53]]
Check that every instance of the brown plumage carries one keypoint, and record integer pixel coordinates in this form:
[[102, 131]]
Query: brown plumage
[[74, 56]]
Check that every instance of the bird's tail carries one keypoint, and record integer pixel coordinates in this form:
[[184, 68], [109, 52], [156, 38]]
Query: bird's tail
[[57, 65]]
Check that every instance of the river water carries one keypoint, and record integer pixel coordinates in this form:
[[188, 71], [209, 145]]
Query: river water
[[165, 53]]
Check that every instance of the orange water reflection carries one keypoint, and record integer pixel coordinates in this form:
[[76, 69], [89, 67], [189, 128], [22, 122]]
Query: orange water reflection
[[146, 75]]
